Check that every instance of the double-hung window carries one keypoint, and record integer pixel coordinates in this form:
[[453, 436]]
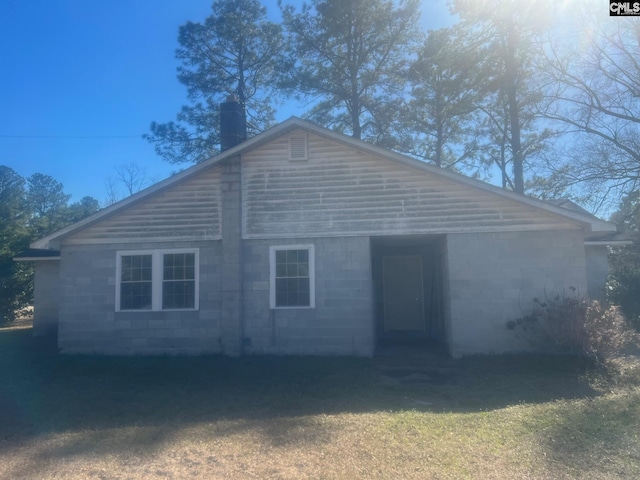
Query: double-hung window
[[157, 280], [292, 282]]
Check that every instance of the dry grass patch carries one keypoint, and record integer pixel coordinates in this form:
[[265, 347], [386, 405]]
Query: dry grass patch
[[77, 417]]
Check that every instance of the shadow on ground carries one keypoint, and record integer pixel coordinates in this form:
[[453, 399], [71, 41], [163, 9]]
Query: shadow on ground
[[43, 391], [126, 405]]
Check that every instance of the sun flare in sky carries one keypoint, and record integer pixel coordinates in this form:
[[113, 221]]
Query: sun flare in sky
[[82, 81]]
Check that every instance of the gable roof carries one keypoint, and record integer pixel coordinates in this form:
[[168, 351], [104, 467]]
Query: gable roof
[[588, 221]]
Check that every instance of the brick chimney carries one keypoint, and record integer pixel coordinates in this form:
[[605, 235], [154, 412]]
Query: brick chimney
[[233, 123]]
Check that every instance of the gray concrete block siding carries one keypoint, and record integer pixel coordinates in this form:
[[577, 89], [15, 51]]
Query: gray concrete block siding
[[89, 322], [46, 293], [231, 260], [490, 278], [494, 277], [597, 270], [341, 322]]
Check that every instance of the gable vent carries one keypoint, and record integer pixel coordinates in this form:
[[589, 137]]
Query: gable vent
[[298, 147]]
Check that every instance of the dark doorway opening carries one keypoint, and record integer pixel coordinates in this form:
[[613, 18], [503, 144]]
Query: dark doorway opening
[[408, 275]]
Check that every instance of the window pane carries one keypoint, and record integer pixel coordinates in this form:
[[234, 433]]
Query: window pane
[[190, 272], [126, 275], [135, 282], [281, 299], [292, 285], [292, 256], [303, 269], [168, 272], [292, 269], [178, 294], [179, 286], [304, 298], [136, 273], [292, 298], [303, 285], [179, 266], [135, 296], [292, 278]]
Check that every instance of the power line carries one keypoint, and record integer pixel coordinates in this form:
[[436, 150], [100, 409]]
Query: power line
[[71, 137]]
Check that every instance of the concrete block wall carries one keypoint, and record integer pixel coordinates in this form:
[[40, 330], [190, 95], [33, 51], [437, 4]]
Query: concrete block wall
[[494, 277], [231, 259], [46, 294], [89, 323], [597, 270], [342, 322]]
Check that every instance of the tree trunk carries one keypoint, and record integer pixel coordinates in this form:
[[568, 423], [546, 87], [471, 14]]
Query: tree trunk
[[511, 86], [439, 145]]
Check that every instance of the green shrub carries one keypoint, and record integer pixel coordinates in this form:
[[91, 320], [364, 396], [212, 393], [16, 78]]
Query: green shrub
[[577, 325], [623, 288]]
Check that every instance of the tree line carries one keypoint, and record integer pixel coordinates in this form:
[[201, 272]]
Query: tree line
[[543, 101], [514, 89], [30, 208]]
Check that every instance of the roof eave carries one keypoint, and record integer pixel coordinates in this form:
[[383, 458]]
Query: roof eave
[[34, 259], [37, 254]]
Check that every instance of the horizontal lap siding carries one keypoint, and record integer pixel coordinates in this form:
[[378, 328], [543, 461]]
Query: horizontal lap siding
[[341, 191], [189, 210]]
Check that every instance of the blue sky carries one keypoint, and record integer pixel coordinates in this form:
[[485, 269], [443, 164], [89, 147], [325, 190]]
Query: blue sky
[[74, 70]]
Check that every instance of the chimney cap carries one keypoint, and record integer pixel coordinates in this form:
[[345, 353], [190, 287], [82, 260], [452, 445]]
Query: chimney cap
[[232, 98]]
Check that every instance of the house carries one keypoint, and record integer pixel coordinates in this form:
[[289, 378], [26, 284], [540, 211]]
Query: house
[[302, 240]]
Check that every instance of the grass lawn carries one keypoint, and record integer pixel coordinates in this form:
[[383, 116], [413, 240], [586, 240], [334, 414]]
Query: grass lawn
[[86, 417]]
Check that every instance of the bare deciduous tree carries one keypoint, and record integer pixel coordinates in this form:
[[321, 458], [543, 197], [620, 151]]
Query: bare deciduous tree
[[596, 96], [129, 178]]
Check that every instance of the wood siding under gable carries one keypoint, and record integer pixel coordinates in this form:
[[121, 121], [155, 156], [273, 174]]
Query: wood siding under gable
[[340, 191], [189, 210]]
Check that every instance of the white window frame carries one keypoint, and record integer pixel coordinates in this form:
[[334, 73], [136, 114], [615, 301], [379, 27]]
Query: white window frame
[[157, 277], [272, 275]]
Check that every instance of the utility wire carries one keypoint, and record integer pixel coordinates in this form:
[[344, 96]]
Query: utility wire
[[71, 137]]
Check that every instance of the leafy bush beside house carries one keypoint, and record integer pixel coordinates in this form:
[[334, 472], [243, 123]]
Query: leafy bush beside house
[[574, 324], [623, 286]]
